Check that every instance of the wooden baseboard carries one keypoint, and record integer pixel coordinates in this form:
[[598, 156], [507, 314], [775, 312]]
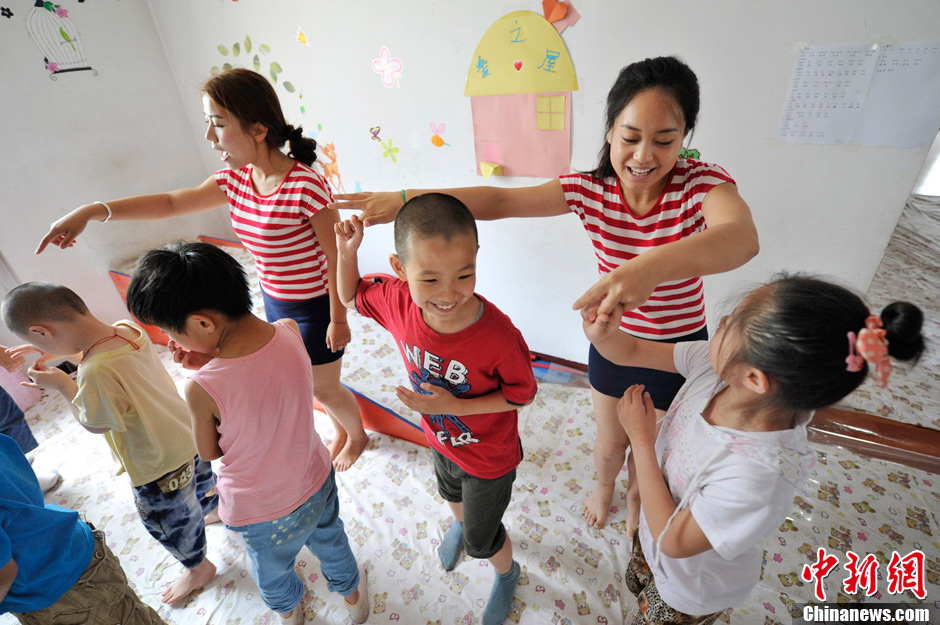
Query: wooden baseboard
[[871, 435]]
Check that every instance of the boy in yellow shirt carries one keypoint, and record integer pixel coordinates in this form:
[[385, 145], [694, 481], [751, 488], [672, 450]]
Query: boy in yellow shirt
[[123, 391]]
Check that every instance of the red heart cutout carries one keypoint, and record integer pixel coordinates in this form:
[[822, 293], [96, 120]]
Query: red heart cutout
[[517, 65]]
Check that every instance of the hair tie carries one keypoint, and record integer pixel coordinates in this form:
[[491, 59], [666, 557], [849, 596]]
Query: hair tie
[[871, 345], [295, 133], [853, 362]]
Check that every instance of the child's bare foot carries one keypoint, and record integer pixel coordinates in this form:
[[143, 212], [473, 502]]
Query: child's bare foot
[[597, 506], [336, 445], [212, 517], [351, 451], [190, 581]]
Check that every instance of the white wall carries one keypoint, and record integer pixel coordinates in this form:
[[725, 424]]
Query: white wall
[[827, 209], [83, 137]]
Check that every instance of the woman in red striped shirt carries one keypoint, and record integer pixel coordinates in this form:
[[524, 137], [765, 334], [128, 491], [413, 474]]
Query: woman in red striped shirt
[[276, 203], [658, 222]]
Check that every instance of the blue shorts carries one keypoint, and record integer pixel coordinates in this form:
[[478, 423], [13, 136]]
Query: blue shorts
[[612, 379], [173, 506], [313, 317]]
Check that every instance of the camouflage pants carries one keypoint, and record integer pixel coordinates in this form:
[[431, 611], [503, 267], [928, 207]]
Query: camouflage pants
[[101, 596], [652, 609]]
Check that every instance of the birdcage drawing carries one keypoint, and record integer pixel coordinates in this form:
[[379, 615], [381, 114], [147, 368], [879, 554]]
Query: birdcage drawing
[[57, 38]]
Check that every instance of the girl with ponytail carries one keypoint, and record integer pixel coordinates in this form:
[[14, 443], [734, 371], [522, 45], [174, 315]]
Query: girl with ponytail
[[276, 202], [719, 473]]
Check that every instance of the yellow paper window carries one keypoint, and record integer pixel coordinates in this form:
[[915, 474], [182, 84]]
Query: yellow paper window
[[550, 112]]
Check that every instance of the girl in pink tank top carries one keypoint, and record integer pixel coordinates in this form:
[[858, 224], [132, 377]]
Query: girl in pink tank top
[[251, 400]]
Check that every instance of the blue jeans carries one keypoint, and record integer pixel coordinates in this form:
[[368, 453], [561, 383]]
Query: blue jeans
[[273, 547], [172, 510]]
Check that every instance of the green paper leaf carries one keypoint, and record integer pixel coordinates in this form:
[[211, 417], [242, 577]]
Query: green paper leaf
[[257, 63], [247, 44], [265, 48], [214, 70], [289, 86], [236, 49], [273, 77], [226, 66], [222, 50], [276, 67]]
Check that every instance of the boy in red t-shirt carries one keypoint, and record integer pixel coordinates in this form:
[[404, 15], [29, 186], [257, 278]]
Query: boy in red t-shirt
[[469, 368]]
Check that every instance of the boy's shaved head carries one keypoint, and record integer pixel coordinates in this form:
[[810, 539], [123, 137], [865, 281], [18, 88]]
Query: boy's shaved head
[[432, 215], [35, 303]]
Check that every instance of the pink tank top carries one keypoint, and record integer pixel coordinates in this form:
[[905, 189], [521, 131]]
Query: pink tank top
[[273, 460]]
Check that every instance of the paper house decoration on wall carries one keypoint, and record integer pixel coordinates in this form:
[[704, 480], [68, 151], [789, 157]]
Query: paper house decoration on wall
[[520, 82]]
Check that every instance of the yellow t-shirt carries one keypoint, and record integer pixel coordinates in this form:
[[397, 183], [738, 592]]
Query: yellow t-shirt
[[129, 392]]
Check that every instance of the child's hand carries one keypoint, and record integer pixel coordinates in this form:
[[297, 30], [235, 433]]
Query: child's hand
[[13, 358], [637, 415], [596, 328], [349, 235], [337, 335], [624, 288], [439, 401], [45, 377], [188, 359]]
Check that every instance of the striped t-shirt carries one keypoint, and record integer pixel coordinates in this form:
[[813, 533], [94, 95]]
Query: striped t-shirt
[[674, 308], [275, 229]]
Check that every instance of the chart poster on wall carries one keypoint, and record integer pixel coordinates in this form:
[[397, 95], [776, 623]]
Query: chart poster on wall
[[869, 94], [520, 81]]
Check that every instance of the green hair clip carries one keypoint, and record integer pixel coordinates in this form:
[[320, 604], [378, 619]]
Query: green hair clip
[[690, 153]]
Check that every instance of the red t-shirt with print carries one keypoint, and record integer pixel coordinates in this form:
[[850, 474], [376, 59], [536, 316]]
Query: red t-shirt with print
[[488, 355]]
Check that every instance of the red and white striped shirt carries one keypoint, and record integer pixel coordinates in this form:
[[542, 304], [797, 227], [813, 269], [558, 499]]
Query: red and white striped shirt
[[275, 229], [675, 308]]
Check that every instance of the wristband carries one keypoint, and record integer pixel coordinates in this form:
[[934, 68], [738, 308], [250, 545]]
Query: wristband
[[107, 208], [404, 197]]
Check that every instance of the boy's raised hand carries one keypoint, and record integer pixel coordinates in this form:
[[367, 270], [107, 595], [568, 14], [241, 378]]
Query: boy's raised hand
[[42, 376], [377, 208], [637, 415], [349, 235]]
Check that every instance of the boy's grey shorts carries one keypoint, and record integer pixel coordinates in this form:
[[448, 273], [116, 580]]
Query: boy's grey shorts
[[484, 502]]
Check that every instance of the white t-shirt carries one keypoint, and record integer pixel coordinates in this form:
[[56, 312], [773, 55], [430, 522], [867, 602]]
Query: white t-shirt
[[738, 485]]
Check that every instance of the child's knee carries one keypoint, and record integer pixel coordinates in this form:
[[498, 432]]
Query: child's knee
[[482, 543]]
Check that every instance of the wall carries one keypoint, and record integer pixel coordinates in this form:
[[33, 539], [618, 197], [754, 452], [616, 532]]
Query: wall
[[828, 209], [84, 137]]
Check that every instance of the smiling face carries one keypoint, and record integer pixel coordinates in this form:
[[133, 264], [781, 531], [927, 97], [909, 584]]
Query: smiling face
[[441, 276], [645, 140], [236, 144]]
